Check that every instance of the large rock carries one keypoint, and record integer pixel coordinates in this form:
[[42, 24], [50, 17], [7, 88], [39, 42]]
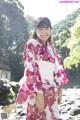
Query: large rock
[[4, 85], [7, 91]]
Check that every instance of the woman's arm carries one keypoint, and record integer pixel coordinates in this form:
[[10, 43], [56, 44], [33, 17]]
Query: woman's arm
[[40, 101], [60, 96]]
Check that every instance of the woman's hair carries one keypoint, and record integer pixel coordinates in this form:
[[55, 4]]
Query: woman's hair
[[41, 23]]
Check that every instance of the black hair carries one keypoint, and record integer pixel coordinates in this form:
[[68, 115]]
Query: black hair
[[42, 22]]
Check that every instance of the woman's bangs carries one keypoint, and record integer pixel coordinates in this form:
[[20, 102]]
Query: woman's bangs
[[43, 25]]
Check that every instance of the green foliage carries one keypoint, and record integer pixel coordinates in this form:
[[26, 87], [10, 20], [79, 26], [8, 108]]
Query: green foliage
[[7, 97], [61, 43], [13, 26], [74, 77], [74, 46], [75, 30], [16, 65], [67, 44], [14, 32]]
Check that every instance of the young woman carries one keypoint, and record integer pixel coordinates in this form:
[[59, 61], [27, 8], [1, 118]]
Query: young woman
[[44, 75]]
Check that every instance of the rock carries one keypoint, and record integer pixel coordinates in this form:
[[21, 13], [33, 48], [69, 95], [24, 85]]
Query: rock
[[70, 105], [74, 111], [15, 86], [4, 85], [12, 116], [65, 117], [7, 95]]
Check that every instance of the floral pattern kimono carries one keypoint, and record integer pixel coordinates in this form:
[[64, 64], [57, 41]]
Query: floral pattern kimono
[[43, 73]]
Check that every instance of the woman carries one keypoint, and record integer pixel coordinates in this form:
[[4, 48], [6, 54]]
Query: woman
[[44, 76]]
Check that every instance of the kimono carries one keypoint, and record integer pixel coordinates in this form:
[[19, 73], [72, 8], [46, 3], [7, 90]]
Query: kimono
[[43, 73]]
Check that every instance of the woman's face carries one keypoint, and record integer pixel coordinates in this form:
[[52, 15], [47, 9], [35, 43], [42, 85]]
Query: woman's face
[[43, 33]]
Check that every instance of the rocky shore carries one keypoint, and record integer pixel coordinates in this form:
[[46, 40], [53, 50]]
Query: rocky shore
[[69, 107]]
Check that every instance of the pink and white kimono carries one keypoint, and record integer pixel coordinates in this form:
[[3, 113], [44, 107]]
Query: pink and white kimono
[[43, 73]]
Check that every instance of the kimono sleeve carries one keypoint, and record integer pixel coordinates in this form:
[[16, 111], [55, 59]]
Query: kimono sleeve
[[32, 69], [32, 77], [60, 75]]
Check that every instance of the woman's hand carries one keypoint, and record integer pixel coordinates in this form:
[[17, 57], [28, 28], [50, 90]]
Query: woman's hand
[[40, 101]]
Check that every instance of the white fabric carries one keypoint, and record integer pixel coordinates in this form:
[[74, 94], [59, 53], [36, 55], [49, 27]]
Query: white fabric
[[46, 70]]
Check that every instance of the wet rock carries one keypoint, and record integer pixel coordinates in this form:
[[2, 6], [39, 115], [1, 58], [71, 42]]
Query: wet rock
[[74, 111]]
